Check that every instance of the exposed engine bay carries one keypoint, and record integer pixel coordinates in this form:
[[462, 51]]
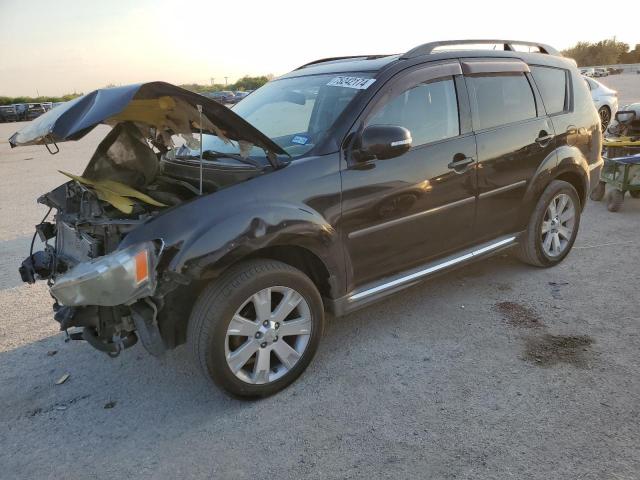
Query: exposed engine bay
[[125, 183], [114, 295]]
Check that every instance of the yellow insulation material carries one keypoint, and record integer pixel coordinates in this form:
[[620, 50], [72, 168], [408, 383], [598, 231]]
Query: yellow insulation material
[[117, 194]]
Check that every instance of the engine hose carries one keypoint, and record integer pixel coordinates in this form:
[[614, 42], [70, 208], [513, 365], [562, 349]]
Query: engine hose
[[91, 336]]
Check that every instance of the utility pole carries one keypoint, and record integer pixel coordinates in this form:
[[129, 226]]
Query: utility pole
[[213, 80], [225, 81]]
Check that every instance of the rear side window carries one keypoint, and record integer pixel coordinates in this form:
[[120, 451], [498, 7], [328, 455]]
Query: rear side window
[[552, 83], [499, 99], [428, 110]]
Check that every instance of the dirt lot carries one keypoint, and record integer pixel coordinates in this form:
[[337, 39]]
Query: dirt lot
[[492, 372]]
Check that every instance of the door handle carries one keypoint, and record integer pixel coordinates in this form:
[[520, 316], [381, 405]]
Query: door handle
[[544, 138], [460, 162]]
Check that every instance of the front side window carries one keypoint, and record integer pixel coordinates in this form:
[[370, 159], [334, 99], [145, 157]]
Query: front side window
[[552, 84], [500, 99], [428, 110]]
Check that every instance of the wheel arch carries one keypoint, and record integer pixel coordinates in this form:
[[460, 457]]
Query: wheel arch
[[567, 164], [577, 181], [173, 319], [298, 257]]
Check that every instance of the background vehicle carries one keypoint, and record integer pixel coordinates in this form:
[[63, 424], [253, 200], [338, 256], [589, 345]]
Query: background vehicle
[[600, 72], [334, 186], [605, 100], [8, 113], [224, 96], [587, 72], [240, 95], [33, 110], [621, 169]]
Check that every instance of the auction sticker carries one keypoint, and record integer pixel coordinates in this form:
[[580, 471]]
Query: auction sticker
[[351, 82]]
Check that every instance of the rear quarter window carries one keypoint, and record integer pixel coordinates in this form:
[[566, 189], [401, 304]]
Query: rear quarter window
[[500, 99], [553, 86]]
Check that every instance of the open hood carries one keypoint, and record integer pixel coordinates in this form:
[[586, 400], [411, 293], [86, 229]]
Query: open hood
[[164, 107]]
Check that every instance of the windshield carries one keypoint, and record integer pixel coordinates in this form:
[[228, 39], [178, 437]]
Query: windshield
[[296, 113]]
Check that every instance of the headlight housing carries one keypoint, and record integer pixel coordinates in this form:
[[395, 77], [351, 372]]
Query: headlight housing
[[119, 278]]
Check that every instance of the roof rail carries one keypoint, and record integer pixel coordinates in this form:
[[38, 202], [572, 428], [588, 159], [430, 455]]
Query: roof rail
[[331, 59], [428, 48]]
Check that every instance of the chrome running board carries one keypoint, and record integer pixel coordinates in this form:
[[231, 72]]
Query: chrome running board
[[372, 292]]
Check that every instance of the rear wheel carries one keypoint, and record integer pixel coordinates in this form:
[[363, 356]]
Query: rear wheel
[[553, 226], [255, 329]]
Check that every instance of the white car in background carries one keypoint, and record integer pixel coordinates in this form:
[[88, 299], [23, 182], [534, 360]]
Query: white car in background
[[587, 72], [605, 99]]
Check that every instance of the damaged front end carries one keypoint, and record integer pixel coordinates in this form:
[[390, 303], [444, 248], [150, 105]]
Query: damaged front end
[[119, 295], [96, 285]]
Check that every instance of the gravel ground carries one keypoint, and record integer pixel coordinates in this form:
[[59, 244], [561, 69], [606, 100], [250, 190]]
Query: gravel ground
[[627, 85], [495, 371]]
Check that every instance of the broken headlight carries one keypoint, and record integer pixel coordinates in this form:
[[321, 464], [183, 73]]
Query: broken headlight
[[119, 278]]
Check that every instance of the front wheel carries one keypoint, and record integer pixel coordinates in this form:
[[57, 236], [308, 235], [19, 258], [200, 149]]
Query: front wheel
[[553, 226], [255, 329]]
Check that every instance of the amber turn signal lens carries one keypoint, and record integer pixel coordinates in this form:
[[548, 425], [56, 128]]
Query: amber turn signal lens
[[142, 266]]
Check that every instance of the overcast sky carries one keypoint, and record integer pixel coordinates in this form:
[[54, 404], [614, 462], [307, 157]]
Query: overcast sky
[[60, 46]]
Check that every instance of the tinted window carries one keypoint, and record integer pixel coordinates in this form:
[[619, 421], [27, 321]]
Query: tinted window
[[499, 99], [552, 84], [428, 110]]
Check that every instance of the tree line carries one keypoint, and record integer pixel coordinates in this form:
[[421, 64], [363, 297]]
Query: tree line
[[41, 99], [244, 83], [604, 52]]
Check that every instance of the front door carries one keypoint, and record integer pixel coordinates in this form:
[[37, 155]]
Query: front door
[[401, 212]]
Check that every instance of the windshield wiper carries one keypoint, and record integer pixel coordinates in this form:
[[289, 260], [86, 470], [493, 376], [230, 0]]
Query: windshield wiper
[[214, 154]]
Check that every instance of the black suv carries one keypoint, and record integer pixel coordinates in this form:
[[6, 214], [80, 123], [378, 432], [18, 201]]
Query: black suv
[[327, 189]]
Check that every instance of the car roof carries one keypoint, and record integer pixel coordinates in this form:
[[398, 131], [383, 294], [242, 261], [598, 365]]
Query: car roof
[[364, 63], [434, 51]]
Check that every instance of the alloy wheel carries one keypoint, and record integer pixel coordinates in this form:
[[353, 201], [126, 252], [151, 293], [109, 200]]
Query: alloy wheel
[[557, 225], [605, 117], [268, 335]]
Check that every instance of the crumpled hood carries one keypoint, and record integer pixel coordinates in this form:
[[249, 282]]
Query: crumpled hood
[[165, 107]]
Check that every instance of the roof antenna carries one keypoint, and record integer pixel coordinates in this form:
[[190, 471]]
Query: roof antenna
[[200, 122]]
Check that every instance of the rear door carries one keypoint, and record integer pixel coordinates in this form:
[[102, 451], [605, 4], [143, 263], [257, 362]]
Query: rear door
[[569, 108], [514, 137]]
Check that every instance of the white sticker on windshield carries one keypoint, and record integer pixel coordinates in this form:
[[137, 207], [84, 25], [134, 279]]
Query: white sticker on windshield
[[351, 82]]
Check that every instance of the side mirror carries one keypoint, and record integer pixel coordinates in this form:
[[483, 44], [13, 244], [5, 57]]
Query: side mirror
[[383, 142], [625, 116]]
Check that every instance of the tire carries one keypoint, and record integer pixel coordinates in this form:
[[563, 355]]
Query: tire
[[615, 199], [635, 193], [237, 295], [605, 116], [597, 193], [532, 245]]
